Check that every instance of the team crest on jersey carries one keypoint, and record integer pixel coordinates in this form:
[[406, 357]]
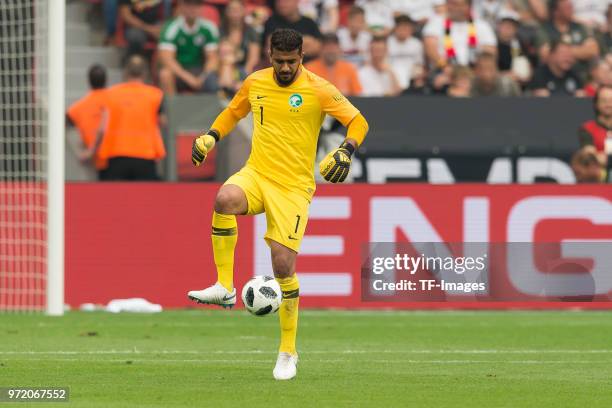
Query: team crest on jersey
[[296, 100]]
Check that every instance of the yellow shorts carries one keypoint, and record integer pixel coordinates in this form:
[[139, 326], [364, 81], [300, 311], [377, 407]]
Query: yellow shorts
[[286, 210]]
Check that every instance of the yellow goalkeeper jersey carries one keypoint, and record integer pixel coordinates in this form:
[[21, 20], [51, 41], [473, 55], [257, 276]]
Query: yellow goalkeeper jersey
[[287, 121]]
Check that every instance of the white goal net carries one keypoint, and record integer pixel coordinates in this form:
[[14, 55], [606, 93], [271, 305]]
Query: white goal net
[[29, 184]]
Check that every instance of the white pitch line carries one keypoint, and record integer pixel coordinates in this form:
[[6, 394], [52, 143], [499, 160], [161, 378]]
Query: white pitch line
[[249, 352], [333, 361]]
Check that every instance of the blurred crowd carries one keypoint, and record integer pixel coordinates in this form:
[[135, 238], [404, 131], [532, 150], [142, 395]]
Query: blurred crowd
[[459, 48], [369, 48]]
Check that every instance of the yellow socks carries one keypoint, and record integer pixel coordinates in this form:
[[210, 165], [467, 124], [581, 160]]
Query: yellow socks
[[224, 238], [289, 312]]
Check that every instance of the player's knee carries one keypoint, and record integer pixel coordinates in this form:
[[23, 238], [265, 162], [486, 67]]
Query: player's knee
[[227, 202], [282, 264]]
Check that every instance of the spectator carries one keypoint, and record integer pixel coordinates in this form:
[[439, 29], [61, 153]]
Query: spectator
[[601, 75], [598, 132], [591, 13], [404, 50], [460, 82], [109, 10], [378, 16], [86, 114], [511, 58], [419, 11], [556, 77], [587, 166], [229, 75], [561, 27], [243, 36], [418, 82], [287, 15], [110, 14], [605, 36], [324, 12], [354, 38], [531, 12], [329, 65], [257, 16], [457, 38], [187, 50], [488, 10], [132, 140], [143, 21], [440, 79], [487, 80], [377, 78]]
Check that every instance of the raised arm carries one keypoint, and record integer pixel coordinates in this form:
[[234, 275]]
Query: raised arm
[[237, 109], [357, 130], [336, 165]]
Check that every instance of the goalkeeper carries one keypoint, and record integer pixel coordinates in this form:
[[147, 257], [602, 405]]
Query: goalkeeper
[[288, 104]]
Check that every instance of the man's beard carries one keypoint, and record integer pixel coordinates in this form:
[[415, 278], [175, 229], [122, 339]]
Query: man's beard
[[285, 82]]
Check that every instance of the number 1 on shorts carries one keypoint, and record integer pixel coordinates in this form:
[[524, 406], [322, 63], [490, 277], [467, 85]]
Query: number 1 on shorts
[[297, 224]]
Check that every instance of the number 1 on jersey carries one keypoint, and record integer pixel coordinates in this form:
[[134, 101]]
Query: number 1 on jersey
[[261, 115]]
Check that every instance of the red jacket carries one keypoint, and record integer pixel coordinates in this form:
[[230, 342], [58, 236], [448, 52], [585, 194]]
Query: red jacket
[[594, 133]]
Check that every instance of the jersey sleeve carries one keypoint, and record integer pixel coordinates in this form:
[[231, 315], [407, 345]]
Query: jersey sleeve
[[211, 36], [240, 104], [335, 104], [167, 37]]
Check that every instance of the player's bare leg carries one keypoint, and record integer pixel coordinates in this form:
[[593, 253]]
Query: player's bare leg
[[230, 201], [283, 264]]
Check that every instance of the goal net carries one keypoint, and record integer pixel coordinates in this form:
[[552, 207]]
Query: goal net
[[31, 178]]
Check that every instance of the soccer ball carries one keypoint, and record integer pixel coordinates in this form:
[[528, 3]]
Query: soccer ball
[[262, 295]]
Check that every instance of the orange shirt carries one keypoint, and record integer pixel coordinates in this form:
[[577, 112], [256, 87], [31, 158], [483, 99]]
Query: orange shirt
[[343, 75], [86, 114], [132, 128]]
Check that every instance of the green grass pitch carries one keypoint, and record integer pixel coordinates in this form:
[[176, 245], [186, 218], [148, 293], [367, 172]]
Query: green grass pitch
[[210, 358]]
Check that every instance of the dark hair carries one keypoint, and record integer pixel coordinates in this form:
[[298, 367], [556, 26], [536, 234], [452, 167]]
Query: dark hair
[[225, 21], [378, 38], [286, 40], [97, 76], [486, 56], [356, 10], [596, 98], [403, 19], [136, 67], [552, 7], [555, 44], [461, 71], [330, 38], [594, 64]]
